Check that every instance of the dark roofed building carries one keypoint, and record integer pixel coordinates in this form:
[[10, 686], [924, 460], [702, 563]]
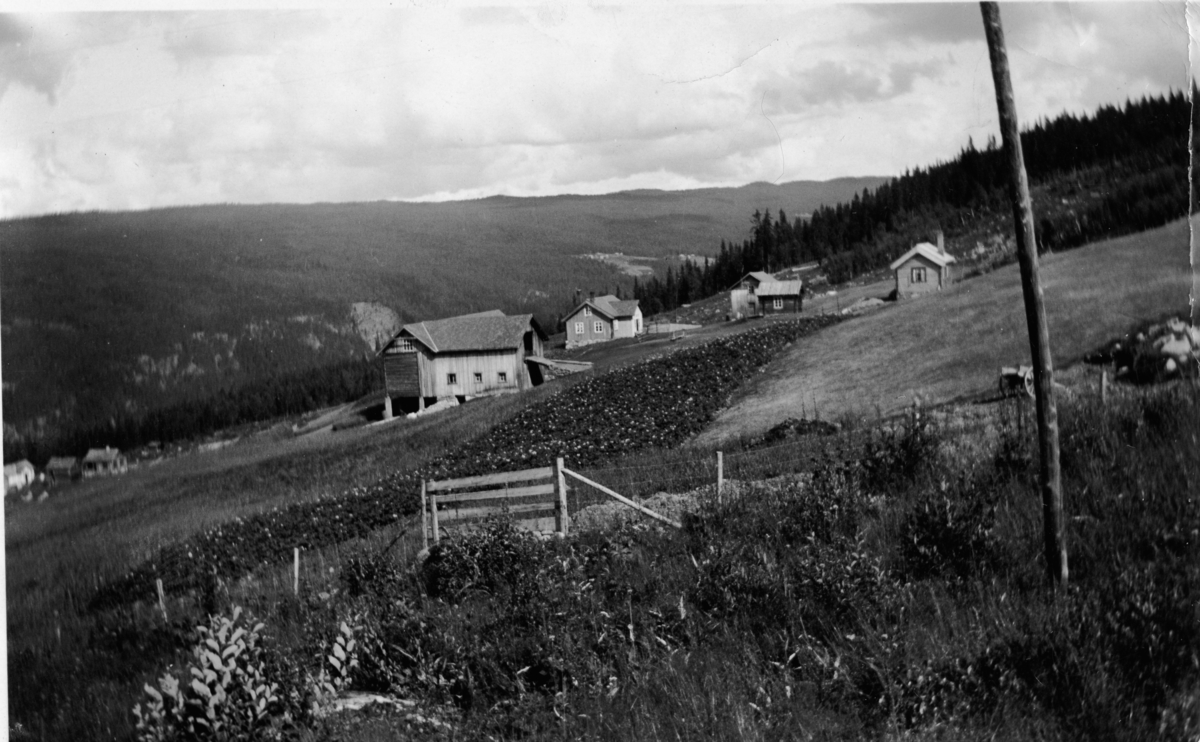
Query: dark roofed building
[[467, 356]]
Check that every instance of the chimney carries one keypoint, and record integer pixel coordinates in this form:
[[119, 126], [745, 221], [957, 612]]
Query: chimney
[[592, 295], [941, 242]]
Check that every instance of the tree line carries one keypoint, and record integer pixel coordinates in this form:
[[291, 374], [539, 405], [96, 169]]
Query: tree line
[[1123, 169], [279, 396]]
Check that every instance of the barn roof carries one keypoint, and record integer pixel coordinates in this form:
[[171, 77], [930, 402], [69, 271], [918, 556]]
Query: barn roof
[[608, 306], [22, 465], [491, 330], [61, 462], [779, 288], [760, 276], [927, 251], [101, 455]]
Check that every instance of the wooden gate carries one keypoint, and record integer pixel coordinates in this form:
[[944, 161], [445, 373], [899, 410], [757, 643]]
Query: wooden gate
[[536, 497]]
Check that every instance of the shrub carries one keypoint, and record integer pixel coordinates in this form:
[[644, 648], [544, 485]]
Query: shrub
[[228, 696]]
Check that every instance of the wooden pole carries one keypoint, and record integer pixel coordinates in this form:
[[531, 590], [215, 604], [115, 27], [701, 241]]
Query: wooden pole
[[296, 571], [1104, 387], [720, 474], [1035, 311], [162, 598], [564, 519], [624, 499], [433, 517], [424, 518]]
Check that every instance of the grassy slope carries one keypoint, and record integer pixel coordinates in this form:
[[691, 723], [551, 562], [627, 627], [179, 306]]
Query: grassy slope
[[951, 345]]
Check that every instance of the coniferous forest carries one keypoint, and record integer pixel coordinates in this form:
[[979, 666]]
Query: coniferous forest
[[1121, 170]]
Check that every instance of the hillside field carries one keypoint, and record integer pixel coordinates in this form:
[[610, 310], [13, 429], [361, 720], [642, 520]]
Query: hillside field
[[951, 345]]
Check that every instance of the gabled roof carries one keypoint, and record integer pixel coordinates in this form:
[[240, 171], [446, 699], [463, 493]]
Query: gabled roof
[[608, 306], [20, 466], [61, 462], [490, 330], [760, 276], [927, 251], [101, 455], [779, 288]]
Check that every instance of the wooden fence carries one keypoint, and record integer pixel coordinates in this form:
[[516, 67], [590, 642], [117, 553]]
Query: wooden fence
[[538, 497]]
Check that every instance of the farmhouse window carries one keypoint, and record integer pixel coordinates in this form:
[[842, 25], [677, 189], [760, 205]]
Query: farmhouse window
[[451, 378], [578, 328], [778, 304], [918, 275], [587, 311], [404, 345], [598, 327], [478, 378], [503, 376]]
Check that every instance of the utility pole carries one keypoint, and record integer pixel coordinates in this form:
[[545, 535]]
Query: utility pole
[[1035, 312]]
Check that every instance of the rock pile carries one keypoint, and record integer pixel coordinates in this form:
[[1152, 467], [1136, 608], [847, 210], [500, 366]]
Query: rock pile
[[1161, 351]]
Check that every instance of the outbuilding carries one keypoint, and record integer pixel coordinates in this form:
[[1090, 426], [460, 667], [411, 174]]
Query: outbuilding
[[923, 269], [62, 469], [467, 356]]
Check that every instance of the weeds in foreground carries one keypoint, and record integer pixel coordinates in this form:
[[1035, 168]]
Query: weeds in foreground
[[900, 602]]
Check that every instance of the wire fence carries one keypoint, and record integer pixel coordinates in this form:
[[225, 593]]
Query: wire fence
[[698, 471]]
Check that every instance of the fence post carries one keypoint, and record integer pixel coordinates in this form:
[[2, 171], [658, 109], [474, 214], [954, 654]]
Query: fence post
[[720, 475], [162, 602], [296, 571], [437, 536], [563, 523], [1104, 387], [424, 518]]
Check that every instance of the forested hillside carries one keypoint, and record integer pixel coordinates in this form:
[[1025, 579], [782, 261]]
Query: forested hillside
[[1117, 171], [108, 317]]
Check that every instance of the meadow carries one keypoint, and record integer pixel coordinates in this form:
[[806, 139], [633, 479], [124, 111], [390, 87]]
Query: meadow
[[951, 345]]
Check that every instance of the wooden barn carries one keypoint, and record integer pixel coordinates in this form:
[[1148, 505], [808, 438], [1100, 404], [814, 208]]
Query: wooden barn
[[102, 462], [468, 356], [755, 297], [602, 318], [780, 297], [923, 269], [62, 469]]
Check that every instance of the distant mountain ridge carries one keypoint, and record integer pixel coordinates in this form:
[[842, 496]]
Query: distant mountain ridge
[[108, 313]]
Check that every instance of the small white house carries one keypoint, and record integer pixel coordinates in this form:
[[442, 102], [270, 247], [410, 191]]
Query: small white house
[[603, 318], [18, 475], [923, 269]]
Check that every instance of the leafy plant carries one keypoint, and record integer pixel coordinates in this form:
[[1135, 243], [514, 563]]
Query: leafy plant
[[227, 697]]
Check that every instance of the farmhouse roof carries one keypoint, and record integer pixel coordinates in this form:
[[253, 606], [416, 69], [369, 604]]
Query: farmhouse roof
[[107, 454], [57, 463], [491, 330], [779, 288], [927, 251], [760, 276], [16, 468], [609, 306]]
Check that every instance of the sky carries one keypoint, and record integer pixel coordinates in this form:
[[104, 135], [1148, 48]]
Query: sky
[[440, 100]]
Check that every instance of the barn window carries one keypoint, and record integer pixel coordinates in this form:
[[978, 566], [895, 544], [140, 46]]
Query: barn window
[[451, 378], [918, 275], [778, 304], [403, 345], [503, 375], [478, 378], [579, 328], [598, 327]]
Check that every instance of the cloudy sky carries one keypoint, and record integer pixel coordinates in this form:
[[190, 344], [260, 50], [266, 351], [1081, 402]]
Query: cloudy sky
[[119, 110]]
